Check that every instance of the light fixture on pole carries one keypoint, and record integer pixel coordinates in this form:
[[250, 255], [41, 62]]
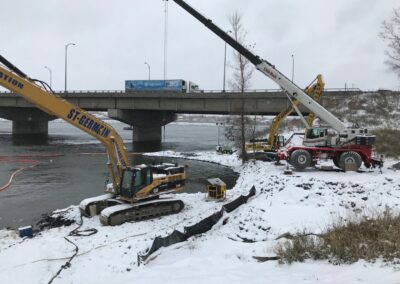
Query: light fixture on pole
[[292, 67], [223, 86], [148, 66], [66, 57], [51, 76]]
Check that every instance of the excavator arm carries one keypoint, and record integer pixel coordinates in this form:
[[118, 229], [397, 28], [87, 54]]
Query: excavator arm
[[135, 191], [17, 82], [315, 91]]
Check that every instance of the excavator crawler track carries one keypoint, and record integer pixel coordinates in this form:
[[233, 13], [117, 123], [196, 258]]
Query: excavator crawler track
[[116, 215]]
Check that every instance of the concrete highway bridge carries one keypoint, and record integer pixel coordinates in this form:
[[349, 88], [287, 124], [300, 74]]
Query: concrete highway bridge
[[147, 112]]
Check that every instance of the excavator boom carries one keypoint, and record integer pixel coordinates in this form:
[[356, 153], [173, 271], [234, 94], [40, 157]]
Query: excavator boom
[[16, 81], [315, 91], [132, 195]]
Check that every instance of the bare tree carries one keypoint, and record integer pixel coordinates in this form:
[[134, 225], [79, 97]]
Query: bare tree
[[391, 34], [241, 127], [242, 68]]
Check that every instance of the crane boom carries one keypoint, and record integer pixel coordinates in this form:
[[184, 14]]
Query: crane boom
[[270, 71]]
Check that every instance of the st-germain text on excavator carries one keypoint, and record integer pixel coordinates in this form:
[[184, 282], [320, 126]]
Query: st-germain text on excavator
[[88, 123]]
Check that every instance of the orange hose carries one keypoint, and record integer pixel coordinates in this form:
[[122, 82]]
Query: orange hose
[[8, 184], [11, 159]]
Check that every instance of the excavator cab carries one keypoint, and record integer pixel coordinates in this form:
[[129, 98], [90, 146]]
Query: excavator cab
[[134, 179], [280, 141]]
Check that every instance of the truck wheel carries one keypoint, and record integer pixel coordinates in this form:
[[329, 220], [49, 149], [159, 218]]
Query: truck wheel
[[350, 158], [300, 159]]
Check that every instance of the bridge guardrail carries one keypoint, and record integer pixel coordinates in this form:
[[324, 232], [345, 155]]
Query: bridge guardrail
[[334, 91]]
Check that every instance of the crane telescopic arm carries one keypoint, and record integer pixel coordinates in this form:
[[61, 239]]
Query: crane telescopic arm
[[270, 71]]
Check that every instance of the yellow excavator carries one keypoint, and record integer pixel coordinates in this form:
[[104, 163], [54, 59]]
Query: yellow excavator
[[134, 193], [274, 140]]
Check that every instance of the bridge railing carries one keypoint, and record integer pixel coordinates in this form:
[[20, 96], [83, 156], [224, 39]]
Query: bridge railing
[[202, 91]]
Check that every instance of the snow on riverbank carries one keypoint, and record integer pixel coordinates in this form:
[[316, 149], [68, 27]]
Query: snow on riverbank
[[231, 161], [310, 199]]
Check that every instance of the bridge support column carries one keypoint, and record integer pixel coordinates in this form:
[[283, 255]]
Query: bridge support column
[[146, 134], [27, 121], [30, 127], [146, 124]]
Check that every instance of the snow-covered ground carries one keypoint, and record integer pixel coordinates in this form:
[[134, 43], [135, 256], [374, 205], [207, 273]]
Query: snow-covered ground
[[284, 203]]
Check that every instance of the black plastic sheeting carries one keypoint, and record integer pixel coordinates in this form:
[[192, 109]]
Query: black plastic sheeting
[[196, 229]]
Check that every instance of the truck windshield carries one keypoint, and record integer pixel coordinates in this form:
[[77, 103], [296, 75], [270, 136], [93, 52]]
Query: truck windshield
[[313, 133]]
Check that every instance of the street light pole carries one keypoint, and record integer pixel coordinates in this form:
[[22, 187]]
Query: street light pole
[[218, 124], [292, 67], [66, 55], [218, 133], [223, 88], [223, 85], [148, 66], [165, 37], [51, 79]]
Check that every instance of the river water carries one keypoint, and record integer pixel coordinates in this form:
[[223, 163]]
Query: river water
[[65, 174]]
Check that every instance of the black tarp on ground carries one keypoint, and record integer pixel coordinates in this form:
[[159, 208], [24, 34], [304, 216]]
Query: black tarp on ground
[[198, 228], [229, 207], [204, 225], [174, 238]]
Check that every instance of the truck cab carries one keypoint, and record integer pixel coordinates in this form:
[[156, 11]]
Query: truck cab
[[319, 137]]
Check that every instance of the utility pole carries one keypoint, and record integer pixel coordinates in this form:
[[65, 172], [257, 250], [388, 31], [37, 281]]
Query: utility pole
[[165, 37]]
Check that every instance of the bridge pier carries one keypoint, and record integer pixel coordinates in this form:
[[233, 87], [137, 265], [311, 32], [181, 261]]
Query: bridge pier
[[146, 124], [27, 121], [30, 127]]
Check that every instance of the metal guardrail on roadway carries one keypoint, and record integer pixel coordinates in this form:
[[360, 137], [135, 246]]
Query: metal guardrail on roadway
[[202, 91]]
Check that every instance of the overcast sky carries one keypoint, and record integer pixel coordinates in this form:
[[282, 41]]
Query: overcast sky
[[339, 39]]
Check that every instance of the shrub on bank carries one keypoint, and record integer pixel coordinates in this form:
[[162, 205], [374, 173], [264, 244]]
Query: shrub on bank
[[347, 242], [388, 142]]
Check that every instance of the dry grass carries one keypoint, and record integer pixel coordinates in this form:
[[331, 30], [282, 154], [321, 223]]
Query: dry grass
[[348, 242], [388, 142]]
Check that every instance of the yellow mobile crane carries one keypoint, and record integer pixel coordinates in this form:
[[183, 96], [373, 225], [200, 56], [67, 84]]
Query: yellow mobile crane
[[274, 141], [135, 190]]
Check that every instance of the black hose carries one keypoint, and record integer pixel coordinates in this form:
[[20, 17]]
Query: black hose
[[74, 232], [12, 67]]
